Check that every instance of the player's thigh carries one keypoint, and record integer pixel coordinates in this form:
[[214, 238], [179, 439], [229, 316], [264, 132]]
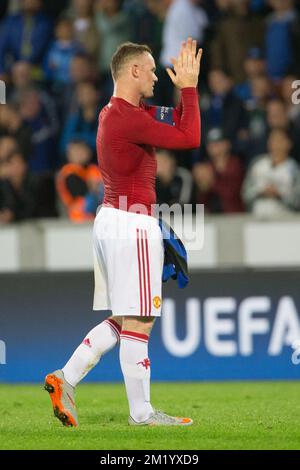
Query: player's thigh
[[134, 263], [138, 324]]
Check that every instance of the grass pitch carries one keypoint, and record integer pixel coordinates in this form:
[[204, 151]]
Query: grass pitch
[[262, 415]]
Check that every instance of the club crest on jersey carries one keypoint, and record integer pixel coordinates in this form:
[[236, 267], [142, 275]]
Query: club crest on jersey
[[157, 301]]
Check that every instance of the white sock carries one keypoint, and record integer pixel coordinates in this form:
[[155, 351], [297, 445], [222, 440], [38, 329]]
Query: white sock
[[98, 341], [135, 366]]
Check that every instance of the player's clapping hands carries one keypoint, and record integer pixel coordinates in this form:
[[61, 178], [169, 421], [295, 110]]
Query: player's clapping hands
[[186, 66]]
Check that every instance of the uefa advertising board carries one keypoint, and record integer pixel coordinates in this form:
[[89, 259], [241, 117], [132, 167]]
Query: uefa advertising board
[[226, 325]]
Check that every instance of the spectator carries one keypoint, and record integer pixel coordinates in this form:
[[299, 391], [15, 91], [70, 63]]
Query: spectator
[[25, 36], [147, 23], [43, 123], [277, 118], [81, 70], [18, 189], [85, 28], [22, 82], [114, 27], [12, 125], [43, 187], [61, 53], [234, 35], [218, 182], [266, 114], [272, 184], [262, 92], [83, 124], [79, 183], [173, 184], [279, 38], [7, 145], [183, 18], [223, 109], [255, 66]]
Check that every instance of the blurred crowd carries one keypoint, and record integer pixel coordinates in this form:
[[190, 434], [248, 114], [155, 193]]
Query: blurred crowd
[[55, 62]]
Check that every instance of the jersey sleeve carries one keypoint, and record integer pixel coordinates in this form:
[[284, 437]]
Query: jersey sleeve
[[164, 127]]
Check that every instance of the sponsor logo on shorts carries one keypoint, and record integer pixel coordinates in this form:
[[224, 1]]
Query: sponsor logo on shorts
[[157, 301]]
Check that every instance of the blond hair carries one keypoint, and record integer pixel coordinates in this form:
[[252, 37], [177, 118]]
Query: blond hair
[[125, 52]]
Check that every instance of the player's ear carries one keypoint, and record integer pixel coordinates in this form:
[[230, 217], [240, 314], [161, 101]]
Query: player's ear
[[135, 71]]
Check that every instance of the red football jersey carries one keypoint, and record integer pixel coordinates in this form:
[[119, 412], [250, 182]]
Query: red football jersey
[[126, 140]]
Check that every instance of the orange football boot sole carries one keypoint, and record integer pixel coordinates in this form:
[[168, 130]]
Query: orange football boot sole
[[53, 387]]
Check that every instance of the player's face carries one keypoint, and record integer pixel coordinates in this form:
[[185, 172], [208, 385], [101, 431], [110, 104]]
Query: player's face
[[147, 75]]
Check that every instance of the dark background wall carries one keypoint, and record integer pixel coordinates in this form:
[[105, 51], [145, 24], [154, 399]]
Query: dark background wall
[[225, 325]]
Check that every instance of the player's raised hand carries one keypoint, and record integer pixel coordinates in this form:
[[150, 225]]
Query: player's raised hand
[[186, 65]]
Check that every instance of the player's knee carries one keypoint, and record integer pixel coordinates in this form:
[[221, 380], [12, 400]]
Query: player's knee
[[140, 325]]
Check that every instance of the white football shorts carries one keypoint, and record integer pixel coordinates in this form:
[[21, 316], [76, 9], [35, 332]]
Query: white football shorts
[[128, 263]]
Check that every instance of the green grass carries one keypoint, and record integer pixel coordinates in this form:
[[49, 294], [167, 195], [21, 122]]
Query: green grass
[[226, 416]]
